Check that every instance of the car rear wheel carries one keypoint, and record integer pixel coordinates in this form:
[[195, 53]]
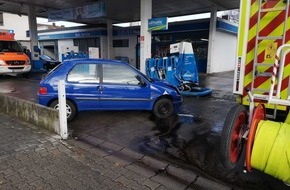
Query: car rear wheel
[[163, 108], [70, 109]]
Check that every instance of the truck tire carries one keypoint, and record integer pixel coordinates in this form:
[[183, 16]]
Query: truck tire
[[231, 137]]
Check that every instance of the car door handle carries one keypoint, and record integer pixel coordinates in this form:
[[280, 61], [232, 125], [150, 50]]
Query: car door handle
[[100, 88]]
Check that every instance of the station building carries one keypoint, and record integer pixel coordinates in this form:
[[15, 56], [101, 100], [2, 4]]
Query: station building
[[59, 41]]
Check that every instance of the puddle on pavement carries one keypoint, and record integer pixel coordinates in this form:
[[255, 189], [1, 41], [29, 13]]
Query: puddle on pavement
[[11, 90], [179, 136]]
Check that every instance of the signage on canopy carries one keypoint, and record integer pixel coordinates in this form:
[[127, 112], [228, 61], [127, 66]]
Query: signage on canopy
[[85, 12], [158, 24]]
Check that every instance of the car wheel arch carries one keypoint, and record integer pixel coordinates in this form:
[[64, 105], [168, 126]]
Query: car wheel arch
[[164, 96], [68, 99]]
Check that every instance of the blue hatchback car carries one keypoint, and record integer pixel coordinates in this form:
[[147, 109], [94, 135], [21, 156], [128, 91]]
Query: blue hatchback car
[[100, 84]]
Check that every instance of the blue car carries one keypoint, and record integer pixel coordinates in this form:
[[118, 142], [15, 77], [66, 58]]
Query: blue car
[[100, 84]]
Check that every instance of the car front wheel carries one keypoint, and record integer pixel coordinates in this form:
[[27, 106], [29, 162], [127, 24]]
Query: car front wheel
[[163, 108], [70, 109]]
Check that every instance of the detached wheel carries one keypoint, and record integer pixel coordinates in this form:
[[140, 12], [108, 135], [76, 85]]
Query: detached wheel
[[231, 137], [70, 109], [163, 108]]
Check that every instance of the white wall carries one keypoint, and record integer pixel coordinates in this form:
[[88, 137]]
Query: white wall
[[130, 51], [224, 55], [17, 23], [65, 46]]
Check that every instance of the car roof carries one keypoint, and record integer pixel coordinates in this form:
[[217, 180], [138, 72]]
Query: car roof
[[69, 63], [87, 60]]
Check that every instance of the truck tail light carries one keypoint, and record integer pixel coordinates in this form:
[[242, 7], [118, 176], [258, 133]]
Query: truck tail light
[[42, 90]]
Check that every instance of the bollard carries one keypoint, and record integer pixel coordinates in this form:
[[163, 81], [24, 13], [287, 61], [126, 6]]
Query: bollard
[[62, 110]]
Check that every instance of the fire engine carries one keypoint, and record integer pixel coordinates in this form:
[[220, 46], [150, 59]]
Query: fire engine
[[13, 60], [261, 82]]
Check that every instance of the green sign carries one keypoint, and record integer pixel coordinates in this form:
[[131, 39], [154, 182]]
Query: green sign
[[158, 24]]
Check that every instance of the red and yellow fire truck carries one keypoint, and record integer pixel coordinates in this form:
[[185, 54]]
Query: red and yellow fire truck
[[261, 82], [13, 60]]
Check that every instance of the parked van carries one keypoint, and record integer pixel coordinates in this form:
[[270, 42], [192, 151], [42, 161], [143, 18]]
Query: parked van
[[13, 59]]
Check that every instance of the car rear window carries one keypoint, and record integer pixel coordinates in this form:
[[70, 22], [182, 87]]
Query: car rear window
[[84, 73], [51, 71]]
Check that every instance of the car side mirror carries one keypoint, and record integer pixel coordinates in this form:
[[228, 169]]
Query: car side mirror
[[141, 81]]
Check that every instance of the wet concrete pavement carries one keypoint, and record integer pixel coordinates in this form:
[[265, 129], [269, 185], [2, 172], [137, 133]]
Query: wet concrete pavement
[[17, 86], [190, 141]]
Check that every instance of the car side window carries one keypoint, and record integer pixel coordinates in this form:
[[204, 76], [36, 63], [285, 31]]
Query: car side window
[[84, 73], [119, 74]]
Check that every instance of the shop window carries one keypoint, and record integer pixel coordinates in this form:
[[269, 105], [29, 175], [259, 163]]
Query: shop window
[[121, 43], [84, 44]]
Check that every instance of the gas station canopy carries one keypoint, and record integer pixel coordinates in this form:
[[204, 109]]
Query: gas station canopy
[[120, 10]]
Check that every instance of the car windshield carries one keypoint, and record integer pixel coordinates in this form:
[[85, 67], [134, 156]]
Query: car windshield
[[10, 46], [143, 75], [148, 78]]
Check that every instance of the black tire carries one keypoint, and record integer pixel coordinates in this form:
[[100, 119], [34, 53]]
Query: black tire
[[163, 108], [70, 107], [231, 138]]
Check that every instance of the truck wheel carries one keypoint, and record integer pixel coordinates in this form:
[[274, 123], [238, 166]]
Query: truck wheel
[[231, 137], [163, 108], [70, 109]]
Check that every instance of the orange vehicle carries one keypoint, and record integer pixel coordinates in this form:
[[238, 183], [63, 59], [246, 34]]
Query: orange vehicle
[[13, 60]]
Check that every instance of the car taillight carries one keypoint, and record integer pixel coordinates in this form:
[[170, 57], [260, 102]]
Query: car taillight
[[42, 90]]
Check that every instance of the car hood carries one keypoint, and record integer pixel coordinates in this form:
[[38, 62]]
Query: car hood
[[164, 84]]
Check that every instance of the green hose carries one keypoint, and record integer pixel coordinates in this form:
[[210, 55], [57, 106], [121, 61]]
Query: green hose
[[271, 149]]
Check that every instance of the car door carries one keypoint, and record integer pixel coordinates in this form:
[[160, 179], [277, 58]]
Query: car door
[[83, 85], [121, 89]]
